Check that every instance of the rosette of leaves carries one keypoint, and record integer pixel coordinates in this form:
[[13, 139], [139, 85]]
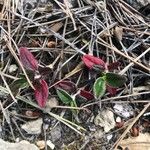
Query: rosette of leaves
[[109, 81]]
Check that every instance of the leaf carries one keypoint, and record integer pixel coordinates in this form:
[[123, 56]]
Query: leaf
[[111, 90], [74, 104], [99, 87], [67, 86], [113, 66], [115, 80], [90, 61], [27, 59], [41, 92], [18, 84], [64, 96], [86, 94]]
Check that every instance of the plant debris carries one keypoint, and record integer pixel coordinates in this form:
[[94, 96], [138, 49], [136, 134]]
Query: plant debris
[[74, 74]]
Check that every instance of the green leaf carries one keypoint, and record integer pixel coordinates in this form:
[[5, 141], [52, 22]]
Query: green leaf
[[115, 80], [18, 84], [99, 87], [64, 96]]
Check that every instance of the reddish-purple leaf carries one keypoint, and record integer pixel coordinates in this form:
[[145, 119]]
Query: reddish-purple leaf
[[41, 92], [27, 59], [86, 94], [113, 66], [90, 61], [111, 90], [67, 86]]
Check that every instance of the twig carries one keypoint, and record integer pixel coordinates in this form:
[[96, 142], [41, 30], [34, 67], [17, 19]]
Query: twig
[[54, 33], [118, 97], [131, 64]]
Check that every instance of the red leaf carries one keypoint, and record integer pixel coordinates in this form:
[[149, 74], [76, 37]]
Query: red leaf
[[67, 86], [41, 92], [111, 90], [113, 66], [86, 94], [90, 61], [27, 59]]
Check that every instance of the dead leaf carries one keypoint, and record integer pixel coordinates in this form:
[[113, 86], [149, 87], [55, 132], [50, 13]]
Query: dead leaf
[[118, 33], [22, 145], [51, 44], [56, 26], [50, 144], [141, 142], [27, 59]]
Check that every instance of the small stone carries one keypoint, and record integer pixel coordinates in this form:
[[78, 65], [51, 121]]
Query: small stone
[[124, 110], [109, 137], [22, 145], [50, 144], [106, 120], [52, 102], [33, 127], [55, 133], [98, 134], [12, 68], [17, 140], [41, 144], [92, 127], [118, 119]]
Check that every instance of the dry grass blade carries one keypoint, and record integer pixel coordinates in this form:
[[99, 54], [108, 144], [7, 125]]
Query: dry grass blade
[[128, 57], [12, 96], [7, 117], [61, 33], [117, 97], [17, 59], [70, 14], [131, 64]]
